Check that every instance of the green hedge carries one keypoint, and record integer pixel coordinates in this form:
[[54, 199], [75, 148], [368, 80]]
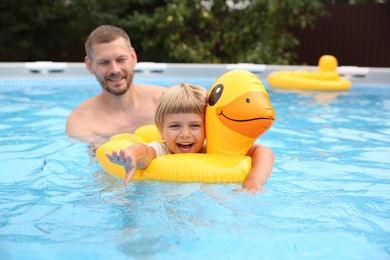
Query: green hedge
[[192, 31]]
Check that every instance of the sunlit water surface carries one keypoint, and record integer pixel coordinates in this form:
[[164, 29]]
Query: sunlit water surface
[[328, 197]]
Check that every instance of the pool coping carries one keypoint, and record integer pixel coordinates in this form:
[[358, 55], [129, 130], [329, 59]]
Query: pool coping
[[22, 71]]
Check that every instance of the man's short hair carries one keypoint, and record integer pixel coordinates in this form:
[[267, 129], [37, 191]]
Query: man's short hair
[[104, 34]]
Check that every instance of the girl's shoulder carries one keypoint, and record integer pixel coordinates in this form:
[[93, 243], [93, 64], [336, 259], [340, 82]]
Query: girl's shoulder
[[160, 148]]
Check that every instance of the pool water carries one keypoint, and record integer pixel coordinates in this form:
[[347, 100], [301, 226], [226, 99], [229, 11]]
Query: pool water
[[328, 197]]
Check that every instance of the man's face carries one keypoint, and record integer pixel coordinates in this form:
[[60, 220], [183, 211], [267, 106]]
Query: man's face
[[113, 65]]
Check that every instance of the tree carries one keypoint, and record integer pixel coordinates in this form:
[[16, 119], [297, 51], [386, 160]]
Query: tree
[[194, 31]]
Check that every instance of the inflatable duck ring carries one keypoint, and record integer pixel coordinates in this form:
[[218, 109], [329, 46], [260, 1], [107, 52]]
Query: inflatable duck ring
[[238, 112], [326, 78]]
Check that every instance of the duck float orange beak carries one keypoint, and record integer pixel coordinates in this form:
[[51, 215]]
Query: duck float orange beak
[[238, 112]]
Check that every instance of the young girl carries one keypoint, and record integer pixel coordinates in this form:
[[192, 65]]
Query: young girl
[[180, 121]]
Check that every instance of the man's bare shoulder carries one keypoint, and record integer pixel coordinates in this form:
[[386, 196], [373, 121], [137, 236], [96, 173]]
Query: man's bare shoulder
[[158, 90], [85, 108], [151, 92], [80, 118]]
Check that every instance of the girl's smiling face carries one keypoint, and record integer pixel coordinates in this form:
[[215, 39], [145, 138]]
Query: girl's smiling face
[[184, 132]]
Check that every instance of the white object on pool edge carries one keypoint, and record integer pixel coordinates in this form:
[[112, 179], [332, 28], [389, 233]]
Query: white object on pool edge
[[151, 66], [351, 71], [46, 67], [246, 66]]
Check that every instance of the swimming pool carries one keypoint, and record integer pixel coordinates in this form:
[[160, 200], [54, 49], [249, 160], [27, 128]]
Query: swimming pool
[[328, 197]]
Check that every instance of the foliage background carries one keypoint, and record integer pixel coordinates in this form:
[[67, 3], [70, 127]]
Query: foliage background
[[191, 31]]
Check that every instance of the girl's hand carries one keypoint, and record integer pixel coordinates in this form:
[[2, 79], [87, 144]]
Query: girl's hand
[[127, 161]]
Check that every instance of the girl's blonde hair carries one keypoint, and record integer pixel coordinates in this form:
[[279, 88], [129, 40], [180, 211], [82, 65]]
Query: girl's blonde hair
[[183, 98]]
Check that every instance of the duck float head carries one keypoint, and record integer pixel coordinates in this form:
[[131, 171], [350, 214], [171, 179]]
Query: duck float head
[[327, 63], [239, 111]]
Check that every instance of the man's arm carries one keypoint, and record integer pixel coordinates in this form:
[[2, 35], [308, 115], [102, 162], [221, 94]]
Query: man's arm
[[78, 127]]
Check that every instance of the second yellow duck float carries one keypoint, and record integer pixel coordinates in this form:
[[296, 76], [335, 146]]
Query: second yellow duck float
[[326, 78]]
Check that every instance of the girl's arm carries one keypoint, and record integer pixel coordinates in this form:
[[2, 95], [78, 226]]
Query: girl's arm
[[131, 158], [262, 164]]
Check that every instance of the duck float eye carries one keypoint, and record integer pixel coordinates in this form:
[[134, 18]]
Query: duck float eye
[[215, 94]]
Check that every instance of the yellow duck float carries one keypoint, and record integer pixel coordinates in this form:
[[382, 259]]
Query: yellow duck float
[[326, 78], [238, 112]]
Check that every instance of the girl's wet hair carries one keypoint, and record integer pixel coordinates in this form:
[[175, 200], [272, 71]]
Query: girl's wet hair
[[183, 98]]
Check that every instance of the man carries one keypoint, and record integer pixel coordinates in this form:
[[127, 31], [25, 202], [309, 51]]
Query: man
[[122, 106]]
